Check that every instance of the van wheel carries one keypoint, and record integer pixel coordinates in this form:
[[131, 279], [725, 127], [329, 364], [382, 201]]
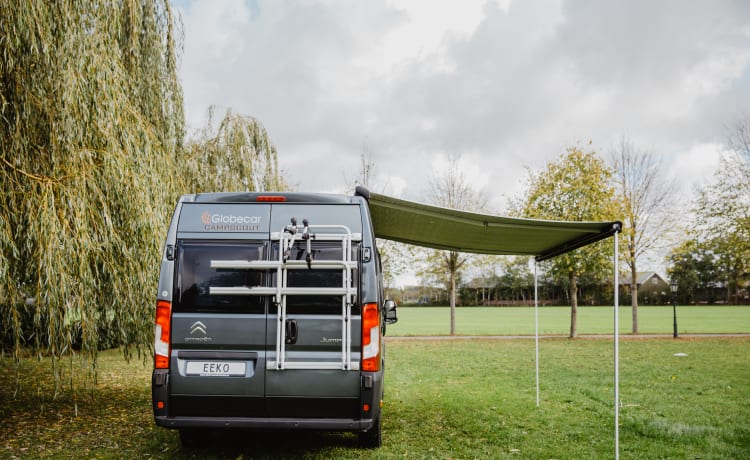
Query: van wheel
[[191, 438], [372, 438]]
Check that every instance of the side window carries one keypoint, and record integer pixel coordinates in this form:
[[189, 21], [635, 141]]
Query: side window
[[302, 278], [194, 276]]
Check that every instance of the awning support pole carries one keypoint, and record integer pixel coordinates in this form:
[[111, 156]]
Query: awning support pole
[[617, 352], [536, 329]]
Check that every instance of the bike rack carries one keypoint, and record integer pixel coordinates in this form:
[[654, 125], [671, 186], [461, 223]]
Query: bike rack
[[286, 238]]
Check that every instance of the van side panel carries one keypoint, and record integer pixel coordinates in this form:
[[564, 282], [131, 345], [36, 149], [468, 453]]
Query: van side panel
[[371, 291]]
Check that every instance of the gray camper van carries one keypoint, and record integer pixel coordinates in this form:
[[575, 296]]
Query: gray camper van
[[270, 314]]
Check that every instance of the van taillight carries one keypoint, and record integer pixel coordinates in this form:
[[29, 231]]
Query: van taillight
[[270, 198], [370, 337], [161, 334]]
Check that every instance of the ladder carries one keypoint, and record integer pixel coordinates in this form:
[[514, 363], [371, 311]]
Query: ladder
[[287, 238]]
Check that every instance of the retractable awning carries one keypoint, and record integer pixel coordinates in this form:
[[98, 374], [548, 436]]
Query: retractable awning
[[450, 229]]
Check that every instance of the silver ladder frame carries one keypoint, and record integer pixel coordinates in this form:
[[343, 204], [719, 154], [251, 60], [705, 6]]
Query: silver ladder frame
[[281, 291]]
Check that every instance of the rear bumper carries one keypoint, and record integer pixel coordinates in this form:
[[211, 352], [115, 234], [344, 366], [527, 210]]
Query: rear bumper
[[266, 423]]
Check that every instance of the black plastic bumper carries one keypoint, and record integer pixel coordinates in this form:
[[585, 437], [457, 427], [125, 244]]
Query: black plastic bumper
[[268, 423]]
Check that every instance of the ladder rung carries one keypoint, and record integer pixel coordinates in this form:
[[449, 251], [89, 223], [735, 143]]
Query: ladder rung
[[273, 365], [276, 236], [274, 264], [243, 290]]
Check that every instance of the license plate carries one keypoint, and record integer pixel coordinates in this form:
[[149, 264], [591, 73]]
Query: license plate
[[216, 368]]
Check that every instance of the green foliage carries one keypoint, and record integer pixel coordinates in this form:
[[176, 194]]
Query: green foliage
[[517, 280], [716, 249], [235, 155], [91, 164], [723, 220], [575, 188], [91, 122], [702, 271]]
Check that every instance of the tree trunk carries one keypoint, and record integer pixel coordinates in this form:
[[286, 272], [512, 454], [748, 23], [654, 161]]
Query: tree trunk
[[634, 294], [573, 305], [453, 303]]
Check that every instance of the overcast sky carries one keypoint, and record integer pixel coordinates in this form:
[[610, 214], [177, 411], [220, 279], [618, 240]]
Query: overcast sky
[[505, 84]]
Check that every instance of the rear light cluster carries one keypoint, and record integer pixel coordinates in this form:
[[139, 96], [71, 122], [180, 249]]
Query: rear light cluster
[[370, 338], [161, 334]]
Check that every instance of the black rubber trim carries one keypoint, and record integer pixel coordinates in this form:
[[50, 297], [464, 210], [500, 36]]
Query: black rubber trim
[[265, 423], [312, 407], [217, 406], [362, 191], [237, 355]]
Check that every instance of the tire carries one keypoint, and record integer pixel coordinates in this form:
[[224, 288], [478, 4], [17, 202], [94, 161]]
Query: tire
[[372, 438]]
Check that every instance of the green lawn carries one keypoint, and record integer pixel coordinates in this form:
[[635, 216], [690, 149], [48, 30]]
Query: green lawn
[[556, 320], [444, 399]]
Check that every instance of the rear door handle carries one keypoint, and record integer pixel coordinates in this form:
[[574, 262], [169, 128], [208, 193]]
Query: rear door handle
[[291, 331]]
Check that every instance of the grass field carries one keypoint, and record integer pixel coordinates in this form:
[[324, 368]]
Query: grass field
[[444, 399], [556, 320]]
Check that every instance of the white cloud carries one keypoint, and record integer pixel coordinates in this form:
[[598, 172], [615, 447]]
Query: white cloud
[[696, 166], [506, 84]]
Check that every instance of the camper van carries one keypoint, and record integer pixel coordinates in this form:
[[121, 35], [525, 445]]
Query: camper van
[[270, 314]]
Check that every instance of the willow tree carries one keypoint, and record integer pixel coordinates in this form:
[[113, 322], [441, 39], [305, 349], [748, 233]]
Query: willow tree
[[576, 187], [233, 153], [91, 120]]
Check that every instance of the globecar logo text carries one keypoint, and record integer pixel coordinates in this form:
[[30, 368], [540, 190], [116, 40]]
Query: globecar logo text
[[229, 222]]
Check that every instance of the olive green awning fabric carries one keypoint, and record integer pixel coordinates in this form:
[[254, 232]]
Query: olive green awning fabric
[[450, 229]]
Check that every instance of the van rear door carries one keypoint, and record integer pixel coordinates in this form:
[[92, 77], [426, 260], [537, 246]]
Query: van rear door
[[313, 331], [218, 341]]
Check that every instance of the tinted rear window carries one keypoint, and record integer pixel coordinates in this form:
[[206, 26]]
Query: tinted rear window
[[195, 276], [317, 304]]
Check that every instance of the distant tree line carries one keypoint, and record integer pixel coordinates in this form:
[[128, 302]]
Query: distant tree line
[[517, 289], [714, 256], [707, 241]]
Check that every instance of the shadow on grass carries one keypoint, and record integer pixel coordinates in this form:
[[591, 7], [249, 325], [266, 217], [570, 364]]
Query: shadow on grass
[[119, 424], [116, 421], [268, 444]]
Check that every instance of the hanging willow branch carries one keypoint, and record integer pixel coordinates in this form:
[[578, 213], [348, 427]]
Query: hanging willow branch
[[91, 124], [233, 154]]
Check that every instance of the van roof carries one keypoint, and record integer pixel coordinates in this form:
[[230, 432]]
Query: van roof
[[284, 197]]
